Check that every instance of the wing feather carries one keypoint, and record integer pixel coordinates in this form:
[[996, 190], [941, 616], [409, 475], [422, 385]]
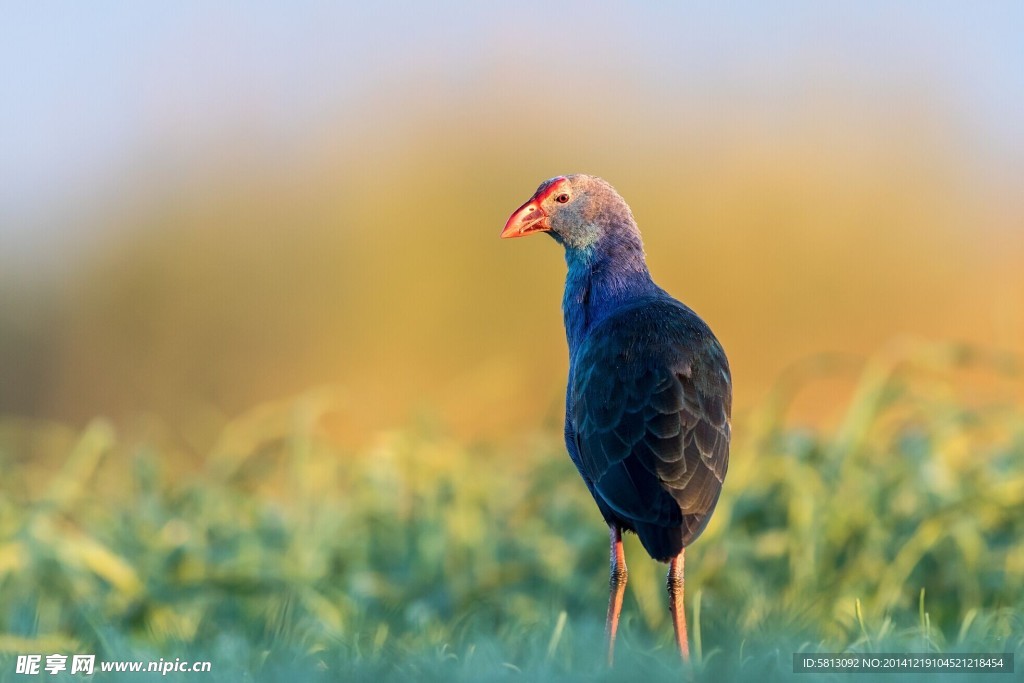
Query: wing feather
[[650, 399]]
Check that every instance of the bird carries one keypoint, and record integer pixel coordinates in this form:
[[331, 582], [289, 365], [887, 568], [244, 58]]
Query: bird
[[649, 394]]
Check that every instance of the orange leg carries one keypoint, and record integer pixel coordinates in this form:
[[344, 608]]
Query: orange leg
[[675, 604], [616, 587]]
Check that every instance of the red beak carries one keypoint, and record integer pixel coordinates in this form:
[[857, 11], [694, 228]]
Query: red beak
[[528, 218]]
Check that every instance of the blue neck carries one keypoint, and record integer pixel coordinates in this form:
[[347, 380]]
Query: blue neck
[[600, 279]]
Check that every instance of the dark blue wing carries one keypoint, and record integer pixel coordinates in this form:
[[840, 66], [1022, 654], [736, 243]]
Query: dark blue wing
[[650, 402]]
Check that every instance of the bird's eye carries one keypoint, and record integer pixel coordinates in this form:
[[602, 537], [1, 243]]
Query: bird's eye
[[562, 198]]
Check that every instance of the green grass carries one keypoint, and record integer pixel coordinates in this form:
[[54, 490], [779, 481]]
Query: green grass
[[283, 556]]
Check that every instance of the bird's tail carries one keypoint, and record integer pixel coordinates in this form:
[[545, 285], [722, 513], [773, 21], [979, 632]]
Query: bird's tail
[[661, 543], [664, 543]]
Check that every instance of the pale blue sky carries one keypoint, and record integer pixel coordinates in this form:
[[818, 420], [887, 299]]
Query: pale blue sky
[[87, 89]]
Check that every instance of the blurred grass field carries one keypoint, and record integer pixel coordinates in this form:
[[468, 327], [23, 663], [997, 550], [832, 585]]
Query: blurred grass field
[[421, 556]]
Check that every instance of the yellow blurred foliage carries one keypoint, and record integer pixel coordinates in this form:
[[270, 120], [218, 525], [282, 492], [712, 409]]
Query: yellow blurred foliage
[[371, 264]]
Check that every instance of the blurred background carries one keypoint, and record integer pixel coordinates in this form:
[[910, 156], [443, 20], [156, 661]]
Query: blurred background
[[205, 207], [274, 394]]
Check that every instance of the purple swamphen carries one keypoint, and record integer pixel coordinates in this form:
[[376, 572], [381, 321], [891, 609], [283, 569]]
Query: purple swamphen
[[649, 397]]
